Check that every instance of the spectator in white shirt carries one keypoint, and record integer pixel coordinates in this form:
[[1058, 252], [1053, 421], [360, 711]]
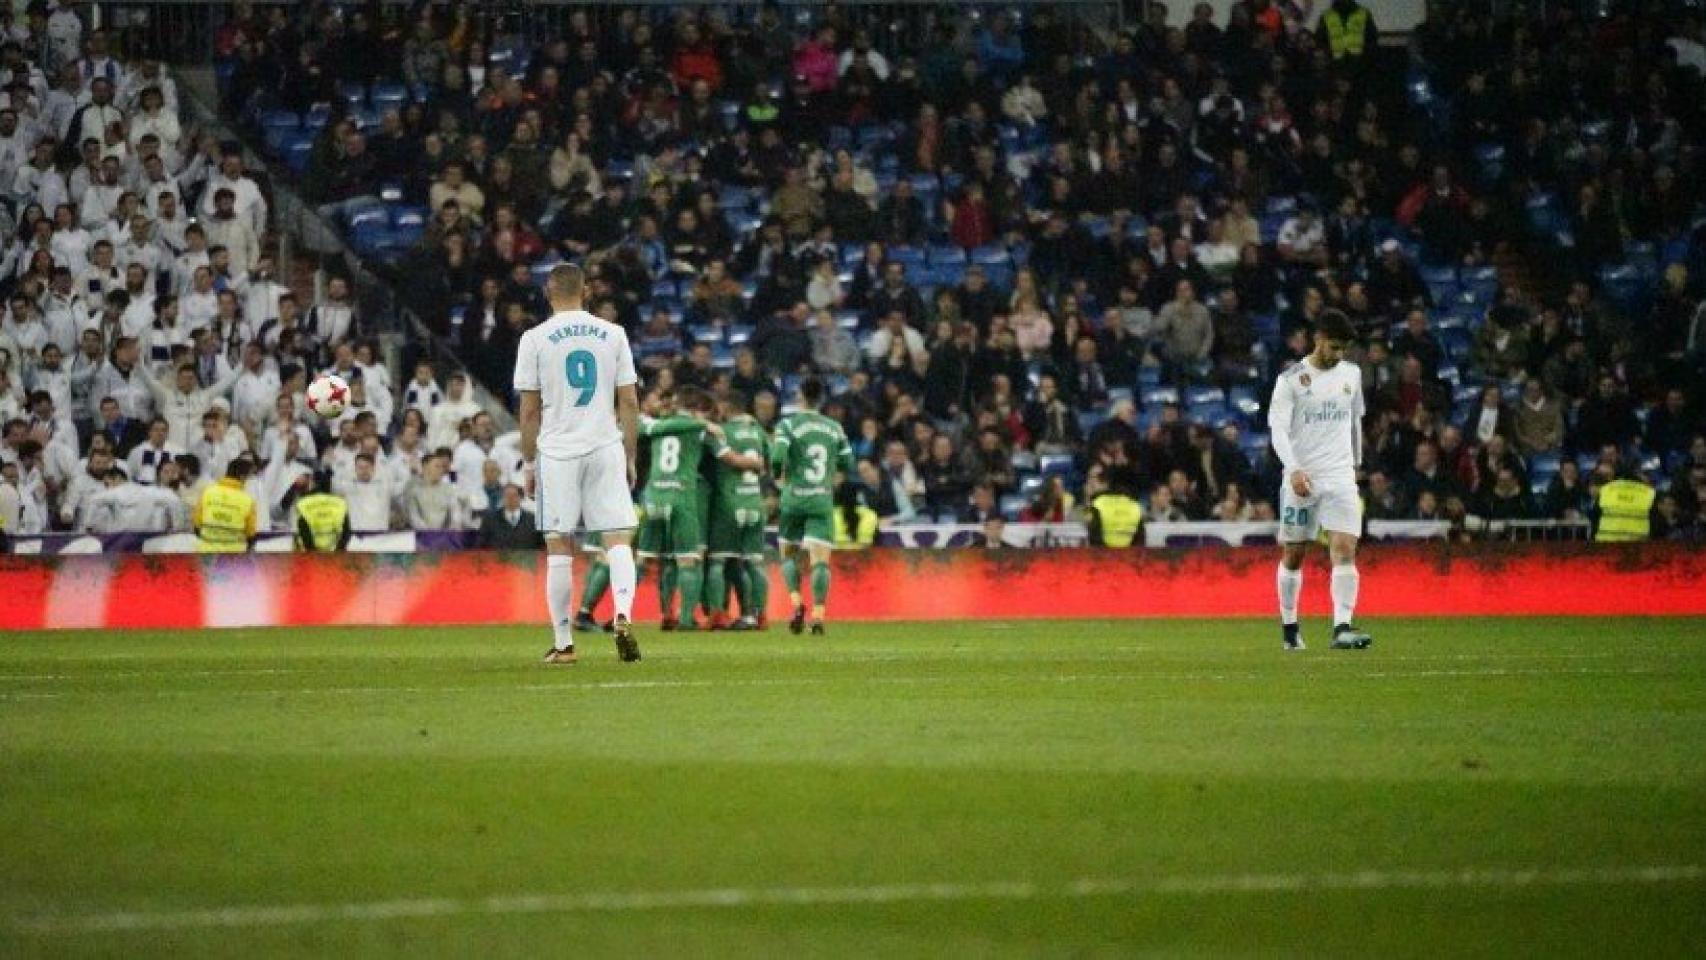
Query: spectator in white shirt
[[170, 229], [226, 228], [97, 64], [444, 427], [195, 255], [218, 444], [154, 117], [247, 202], [184, 402], [85, 483], [102, 276], [434, 503], [255, 395], [15, 146], [200, 305], [120, 380], [368, 495], [284, 432], [39, 181], [422, 393], [472, 453], [91, 120], [332, 320], [145, 461], [125, 507]]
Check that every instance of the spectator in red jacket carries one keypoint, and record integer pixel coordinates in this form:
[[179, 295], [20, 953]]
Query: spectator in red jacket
[[695, 59]]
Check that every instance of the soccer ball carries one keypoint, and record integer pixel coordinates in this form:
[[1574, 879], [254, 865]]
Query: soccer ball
[[327, 396]]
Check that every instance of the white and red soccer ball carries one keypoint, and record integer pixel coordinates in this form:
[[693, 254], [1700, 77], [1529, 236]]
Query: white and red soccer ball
[[328, 395]]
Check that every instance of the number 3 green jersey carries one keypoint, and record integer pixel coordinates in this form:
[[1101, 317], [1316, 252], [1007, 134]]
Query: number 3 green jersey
[[740, 489], [807, 450], [677, 443]]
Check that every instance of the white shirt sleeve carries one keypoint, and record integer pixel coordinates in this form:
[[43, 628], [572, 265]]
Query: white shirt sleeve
[[527, 363], [1279, 424], [1359, 409], [625, 374]]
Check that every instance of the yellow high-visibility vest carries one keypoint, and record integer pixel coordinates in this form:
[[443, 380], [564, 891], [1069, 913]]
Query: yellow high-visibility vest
[[325, 515], [225, 518], [860, 538], [1121, 517], [1625, 511], [1345, 34]]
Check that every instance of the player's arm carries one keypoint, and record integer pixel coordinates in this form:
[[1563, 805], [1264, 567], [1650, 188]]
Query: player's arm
[[530, 416], [1359, 409], [779, 452], [628, 417], [1279, 428]]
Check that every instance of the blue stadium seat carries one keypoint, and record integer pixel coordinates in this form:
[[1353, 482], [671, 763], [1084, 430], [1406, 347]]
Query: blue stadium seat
[[371, 235], [735, 198], [1441, 283], [1456, 342], [1213, 413], [408, 217], [1244, 400], [710, 333], [297, 153], [991, 254], [912, 257], [947, 254], [1055, 463], [1089, 420], [740, 334], [368, 214], [1197, 396], [389, 95], [1012, 505], [666, 289], [353, 94], [1156, 396], [1117, 394], [847, 319]]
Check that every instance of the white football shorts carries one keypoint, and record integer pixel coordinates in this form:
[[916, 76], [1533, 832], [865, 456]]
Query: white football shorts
[[1337, 509], [590, 489]]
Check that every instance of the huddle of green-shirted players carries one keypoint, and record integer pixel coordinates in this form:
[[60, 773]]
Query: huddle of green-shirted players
[[703, 510]]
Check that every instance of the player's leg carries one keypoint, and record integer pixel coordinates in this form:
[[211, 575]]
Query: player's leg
[[719, 552], [1297, 529], [687, 545], [559, 491], [610, 513], [597, 581], [791, 532], [820, 542], [754, 574], [1341, 516]]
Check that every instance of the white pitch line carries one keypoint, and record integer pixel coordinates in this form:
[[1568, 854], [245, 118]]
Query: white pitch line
[[728, 898]]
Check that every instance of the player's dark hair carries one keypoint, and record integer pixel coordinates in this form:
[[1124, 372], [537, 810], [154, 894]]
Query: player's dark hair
[[693, 398], [240, 469], [1334, 325], [738, 401], [811, 391]]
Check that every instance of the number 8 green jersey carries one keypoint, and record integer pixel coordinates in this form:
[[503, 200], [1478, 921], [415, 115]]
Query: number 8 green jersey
[[678, 442], [806, 451]]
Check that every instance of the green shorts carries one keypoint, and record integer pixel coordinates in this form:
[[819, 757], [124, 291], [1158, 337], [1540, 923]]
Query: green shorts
[[815, 527], [671, 530], [737, 533]]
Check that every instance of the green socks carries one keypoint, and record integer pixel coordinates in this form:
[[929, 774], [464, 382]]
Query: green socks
[[667, 577], [692, 580], [757, 599], [716, 587], [597, 583], [820, 585]]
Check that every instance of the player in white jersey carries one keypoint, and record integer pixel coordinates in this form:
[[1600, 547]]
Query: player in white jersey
[[1316, 422], [579, 429]]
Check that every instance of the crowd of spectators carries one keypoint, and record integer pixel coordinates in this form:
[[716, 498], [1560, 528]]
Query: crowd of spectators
[[148, 340], [1039, 261]]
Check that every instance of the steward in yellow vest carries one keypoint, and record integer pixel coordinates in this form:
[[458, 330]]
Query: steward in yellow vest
[[1347, 30], [855, 523], [1625, 512], [1115, 519], [322, 520], [224, 518]]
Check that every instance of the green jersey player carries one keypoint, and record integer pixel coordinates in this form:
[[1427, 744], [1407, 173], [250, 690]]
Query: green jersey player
[[806, 453], [737, 519], [674, 525]]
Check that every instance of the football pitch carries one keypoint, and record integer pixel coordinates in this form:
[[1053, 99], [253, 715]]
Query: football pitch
[[1488, 787]]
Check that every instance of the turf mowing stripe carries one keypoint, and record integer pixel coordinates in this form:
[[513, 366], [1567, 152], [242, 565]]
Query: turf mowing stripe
[[825, 681], [737, 897]]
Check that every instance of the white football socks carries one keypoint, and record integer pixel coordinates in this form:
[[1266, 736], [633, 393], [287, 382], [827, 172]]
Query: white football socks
[[1290, 583], [559, 597], [1346, 581], [623, 579]]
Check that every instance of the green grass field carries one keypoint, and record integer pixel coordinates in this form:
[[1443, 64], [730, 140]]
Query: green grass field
[[1508, 787]]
